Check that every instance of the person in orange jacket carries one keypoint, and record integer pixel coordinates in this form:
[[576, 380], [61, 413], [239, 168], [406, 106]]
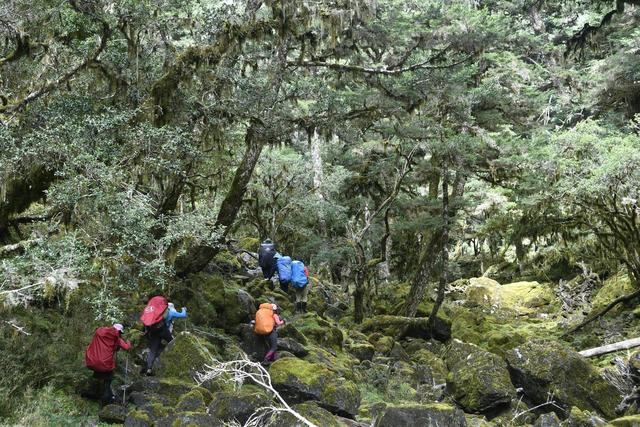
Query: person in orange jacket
[[266, 324]]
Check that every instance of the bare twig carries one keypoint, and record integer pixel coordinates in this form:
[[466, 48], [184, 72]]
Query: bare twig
[[241, 370]]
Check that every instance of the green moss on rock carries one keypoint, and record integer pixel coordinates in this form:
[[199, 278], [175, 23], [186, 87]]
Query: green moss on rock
[[184, 356], [544, 368], [320, 331], [238, 404], [478, 380], [612, 288], [317, 415], [435, 414], [300, 380]]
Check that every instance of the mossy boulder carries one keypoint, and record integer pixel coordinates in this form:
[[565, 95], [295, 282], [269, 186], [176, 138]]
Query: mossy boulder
[[548, 420], [362, 351], [289, 330], [227, 262], [188, 419], [238, 405], [612, 289], [299, 381], [292, 346], [547, 368], [415, 327], [430, 368], [520, 297], [192, 402], [480, 381], [314, 413], [382, 344], [113, 414], [320, 331], [216, 302], [184, 356], [580, 418], [138, 419], [434, 414]]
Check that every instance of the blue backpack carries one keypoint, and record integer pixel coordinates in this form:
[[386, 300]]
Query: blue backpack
[[283, 263], [298, 277]]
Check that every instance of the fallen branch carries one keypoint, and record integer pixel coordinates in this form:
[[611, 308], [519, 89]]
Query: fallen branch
[[610, 348], [18, 328], [239, 371], [602, 312], [16, 248]]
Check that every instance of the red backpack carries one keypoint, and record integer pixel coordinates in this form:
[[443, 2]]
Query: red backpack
[[153, 314], [99, 354]]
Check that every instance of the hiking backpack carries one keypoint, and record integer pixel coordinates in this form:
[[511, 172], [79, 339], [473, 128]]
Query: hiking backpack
[[153, 315], [298, 276], [266, 254], [99, 354], [284, 269], [264, 319]]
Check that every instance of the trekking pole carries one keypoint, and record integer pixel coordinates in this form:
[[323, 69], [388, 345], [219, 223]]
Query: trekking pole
[[124, 387]]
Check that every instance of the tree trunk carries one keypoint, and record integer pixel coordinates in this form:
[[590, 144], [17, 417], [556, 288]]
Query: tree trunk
[[318, 175], [429, 255], [445, 250], [198, 257], [361, 275], [17, 194]]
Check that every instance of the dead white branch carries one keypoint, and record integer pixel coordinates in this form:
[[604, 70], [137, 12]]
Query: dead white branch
[[610, 348], [242, 370]]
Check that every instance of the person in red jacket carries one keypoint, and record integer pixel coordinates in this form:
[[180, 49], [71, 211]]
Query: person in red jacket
[[100, 357]]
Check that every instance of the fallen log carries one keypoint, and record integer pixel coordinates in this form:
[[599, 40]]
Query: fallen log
[[602, 312], [16, 248], [610, 348]]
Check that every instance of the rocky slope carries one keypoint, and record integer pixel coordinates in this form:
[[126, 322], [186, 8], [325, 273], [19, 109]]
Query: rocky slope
[[494, 359]]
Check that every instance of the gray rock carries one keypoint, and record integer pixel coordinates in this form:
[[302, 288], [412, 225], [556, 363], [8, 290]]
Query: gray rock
[[548, 420], [292, 346], [480, 381], [437, 414], [547, 368], [299, 381], [185, 419], [113, 414], [227, 406]]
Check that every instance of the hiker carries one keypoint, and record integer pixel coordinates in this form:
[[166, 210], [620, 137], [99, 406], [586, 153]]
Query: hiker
[[283, 264], [266, 324], [100, 357], [155, 328], [266, 259], [173, 314], [300, 282]]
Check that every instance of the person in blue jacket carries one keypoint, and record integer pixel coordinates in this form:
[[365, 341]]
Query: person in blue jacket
[[173, 314]]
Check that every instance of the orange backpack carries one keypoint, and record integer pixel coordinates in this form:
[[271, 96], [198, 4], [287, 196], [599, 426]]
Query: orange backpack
[[264, 319]]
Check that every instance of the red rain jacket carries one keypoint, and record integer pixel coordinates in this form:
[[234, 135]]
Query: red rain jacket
[[100, 355]]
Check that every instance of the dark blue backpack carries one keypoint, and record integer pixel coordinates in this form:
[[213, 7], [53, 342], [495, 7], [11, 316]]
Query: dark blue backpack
[[284, 268], [298, 278]]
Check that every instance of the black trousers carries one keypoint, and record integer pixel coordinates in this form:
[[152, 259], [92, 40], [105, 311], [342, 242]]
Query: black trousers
[[104, 379], [155, 338], [272, 340]]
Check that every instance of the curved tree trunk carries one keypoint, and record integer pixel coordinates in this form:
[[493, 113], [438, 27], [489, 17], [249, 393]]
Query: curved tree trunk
[[198, 257], [429, 255]]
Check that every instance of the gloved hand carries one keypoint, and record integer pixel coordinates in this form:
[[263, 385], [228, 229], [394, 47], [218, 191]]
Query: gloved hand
[[184, 309]]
